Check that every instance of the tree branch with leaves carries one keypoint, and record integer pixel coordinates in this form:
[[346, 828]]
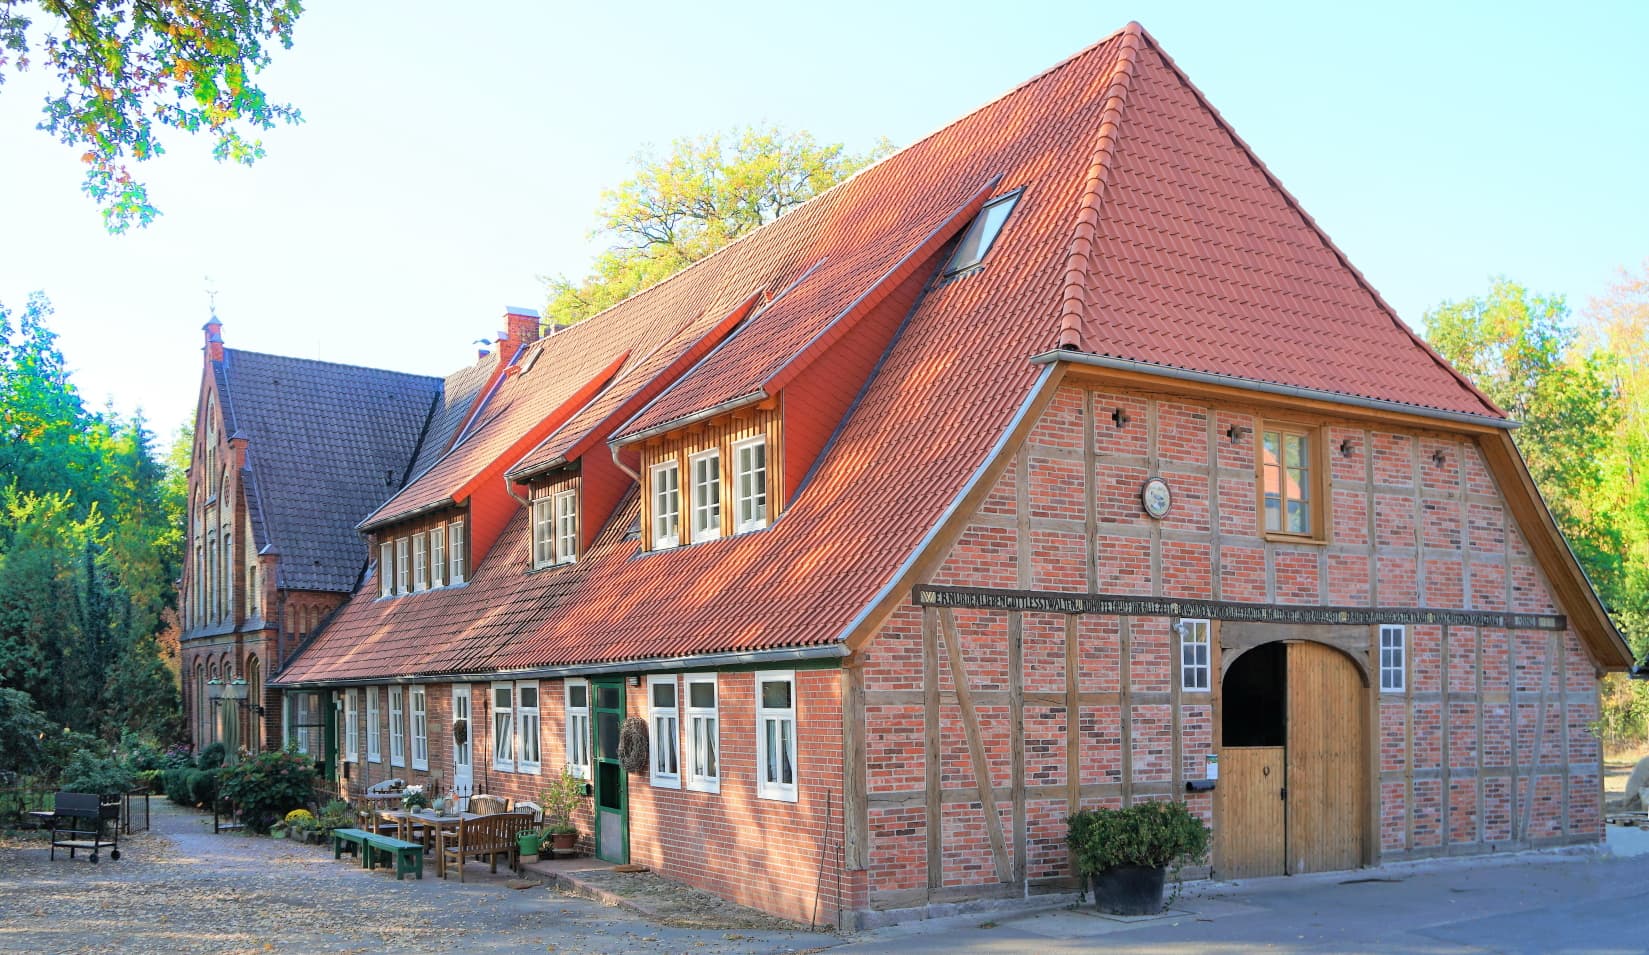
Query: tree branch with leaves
[[127, 69]]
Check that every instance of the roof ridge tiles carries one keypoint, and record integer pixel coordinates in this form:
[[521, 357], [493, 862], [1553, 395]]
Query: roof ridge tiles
[[334, 364], [1073, 305], [1298, 209]]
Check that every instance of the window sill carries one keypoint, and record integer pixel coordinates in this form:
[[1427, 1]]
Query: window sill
[[1278, 537], [665, 782], [712, 786], [776, 796]]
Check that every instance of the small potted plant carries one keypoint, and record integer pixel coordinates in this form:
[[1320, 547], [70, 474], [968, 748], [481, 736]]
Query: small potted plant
[[414, 798], [1126, 852], [560, 800]]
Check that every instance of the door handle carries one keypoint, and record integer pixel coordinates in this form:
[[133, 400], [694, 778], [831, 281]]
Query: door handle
[[1282, 793]]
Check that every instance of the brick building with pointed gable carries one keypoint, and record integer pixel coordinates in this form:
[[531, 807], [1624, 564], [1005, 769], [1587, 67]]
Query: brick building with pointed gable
[[1057, 460]]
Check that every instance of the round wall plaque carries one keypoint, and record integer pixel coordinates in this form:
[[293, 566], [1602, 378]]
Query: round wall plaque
[[1156, 497]]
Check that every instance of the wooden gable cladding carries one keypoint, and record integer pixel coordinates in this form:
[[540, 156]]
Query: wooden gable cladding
[[719, 434]]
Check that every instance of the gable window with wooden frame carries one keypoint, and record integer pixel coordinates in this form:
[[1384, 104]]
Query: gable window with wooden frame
[[665, 482], [750, 485], [1393, 658], [438, 557], [503, 728], [703, 733], [1290, 479], [543, 531], [420, 729], [397, 727], [352, 728], [386, 569], [577, 711], [455, 552], [403, 567], [1193, 655], [374, 739], [665, 722], [706, 474], [776, 735], [420, 564], [566, 527], [981, 235]]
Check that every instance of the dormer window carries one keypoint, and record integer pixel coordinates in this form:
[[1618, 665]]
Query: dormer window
[[554, 529], [420, 564], [666, 484], [386, 567], [438, 556], [403, 567], [706, 470], [750, 485], [455, 552], [981, 235]]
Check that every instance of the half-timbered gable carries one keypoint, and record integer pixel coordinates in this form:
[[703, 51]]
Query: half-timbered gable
[[1057, 460]]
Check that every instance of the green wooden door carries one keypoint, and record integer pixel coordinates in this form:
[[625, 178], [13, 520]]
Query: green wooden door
[[612, 830]]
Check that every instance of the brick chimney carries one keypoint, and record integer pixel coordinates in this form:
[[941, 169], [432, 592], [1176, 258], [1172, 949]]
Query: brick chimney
[[214, 339], [521, 328]]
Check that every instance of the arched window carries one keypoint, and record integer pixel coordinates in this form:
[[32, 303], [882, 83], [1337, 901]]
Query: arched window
[[200, 705], [254, 699], [229, 574]]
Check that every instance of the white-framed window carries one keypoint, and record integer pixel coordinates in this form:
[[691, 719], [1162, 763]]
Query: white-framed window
[[403, 567], [420, 729], [397, 727], [703, 733], [750, 485], [374, 737], [776, 735], [352, 726], [566, 527], [664, 719], [386, 569], [503, 727], [1393, 658], [438, 557], [666, 484], [543, 531], [578, 727], [706, 474], [420, 564], [528, 757], [1193, 655], [455, 552]]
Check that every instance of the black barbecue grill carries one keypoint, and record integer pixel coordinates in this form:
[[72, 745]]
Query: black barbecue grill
[[79, 821]]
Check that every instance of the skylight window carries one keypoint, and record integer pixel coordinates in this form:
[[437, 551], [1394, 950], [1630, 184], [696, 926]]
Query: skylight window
[[977, 241]]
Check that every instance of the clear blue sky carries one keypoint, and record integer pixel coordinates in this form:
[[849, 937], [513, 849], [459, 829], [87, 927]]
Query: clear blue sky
[[450, 161]]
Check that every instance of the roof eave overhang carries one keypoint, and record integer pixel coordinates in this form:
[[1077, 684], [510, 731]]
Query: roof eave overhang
[[373, 523], [1271, 388], [732, 404], [779, 655]]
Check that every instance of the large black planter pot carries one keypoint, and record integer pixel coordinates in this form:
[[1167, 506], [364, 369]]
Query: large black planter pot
[[1129, 890]]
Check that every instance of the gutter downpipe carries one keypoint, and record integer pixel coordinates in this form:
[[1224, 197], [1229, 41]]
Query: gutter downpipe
[[1267, 387], [621, 465]]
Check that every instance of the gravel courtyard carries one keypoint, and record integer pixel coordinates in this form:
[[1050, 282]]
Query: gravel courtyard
[[182, 889]]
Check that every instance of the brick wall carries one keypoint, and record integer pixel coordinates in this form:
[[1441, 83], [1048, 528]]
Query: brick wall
[[756, 851], [1486, 748]]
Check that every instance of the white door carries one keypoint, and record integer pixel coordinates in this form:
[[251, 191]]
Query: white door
[[463, 769]]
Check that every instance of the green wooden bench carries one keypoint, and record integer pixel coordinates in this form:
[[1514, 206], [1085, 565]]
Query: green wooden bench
[[408, 856], [354, 838]]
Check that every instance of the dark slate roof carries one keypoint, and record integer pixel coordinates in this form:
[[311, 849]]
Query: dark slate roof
[[327, 443], [458, 395]]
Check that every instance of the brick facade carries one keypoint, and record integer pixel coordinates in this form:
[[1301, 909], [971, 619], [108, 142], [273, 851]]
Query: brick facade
[[1494, 719]]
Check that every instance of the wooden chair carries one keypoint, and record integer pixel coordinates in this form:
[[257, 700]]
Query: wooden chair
[[484, 838], [485, 805]]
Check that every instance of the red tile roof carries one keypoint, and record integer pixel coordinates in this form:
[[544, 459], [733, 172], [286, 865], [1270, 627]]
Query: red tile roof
[[1146, 230]]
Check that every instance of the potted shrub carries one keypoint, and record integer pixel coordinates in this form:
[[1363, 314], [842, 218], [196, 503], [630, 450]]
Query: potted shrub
[[560, 800], [1126, 852]]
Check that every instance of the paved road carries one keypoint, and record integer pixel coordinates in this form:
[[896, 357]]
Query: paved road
[[1533, 903]]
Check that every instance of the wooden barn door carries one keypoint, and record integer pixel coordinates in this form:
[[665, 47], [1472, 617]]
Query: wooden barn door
[[1251, 821], [1327, 764]]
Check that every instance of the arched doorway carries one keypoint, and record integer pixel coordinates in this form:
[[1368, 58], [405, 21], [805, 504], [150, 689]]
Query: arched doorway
[[1293, 789]]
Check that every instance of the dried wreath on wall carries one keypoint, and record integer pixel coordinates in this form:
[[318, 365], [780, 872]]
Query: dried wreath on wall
[[632, 744]]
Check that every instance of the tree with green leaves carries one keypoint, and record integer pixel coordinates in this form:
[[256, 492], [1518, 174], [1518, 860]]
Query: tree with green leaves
[[126, 69], [90, 544], [708, 191]]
